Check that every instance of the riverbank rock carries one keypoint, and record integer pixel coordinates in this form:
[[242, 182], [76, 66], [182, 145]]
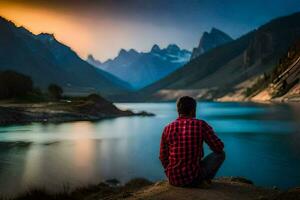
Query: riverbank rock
[[9, 116], [222, 189], [291, 194]]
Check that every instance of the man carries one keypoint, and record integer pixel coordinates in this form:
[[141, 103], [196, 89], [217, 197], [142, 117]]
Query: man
[[181, 149]]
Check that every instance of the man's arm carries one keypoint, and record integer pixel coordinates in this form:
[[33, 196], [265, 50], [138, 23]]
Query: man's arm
[[214, 143], [164, 150]]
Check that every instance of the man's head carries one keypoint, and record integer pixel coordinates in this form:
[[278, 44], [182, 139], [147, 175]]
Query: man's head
[[186, 106]]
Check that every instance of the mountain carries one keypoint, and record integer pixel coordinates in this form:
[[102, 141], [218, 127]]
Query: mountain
[[47, 61], [282, 83], [90, 59], [209, 41], [230, 68], [141, 69]]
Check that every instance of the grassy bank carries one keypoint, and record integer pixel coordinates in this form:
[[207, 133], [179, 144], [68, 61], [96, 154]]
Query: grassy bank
[[111, 189]]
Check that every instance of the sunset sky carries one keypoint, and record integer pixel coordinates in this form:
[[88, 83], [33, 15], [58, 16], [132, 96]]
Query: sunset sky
[[103, 27]]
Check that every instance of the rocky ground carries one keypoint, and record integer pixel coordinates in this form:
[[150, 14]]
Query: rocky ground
[[236, 95], [293, 95], [225, 188], [222, 189]]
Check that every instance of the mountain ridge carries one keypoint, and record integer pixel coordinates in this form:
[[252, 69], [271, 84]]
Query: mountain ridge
[[48, 61], [221, 70], [143, 68], [210, 40]]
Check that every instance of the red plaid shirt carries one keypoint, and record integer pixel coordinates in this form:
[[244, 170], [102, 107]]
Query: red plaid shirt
[[181, 149]]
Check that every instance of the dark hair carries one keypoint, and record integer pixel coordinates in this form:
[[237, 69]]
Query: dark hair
[[186, 105]]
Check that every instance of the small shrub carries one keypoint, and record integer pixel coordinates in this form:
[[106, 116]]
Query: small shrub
[[14, 85]]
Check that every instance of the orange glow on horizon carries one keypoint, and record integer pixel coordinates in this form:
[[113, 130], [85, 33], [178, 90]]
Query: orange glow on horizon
[[96, 31], [65, 27]]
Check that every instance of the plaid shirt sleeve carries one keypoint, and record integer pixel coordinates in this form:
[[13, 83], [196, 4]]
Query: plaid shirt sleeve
[[214, 143], [164, 150]]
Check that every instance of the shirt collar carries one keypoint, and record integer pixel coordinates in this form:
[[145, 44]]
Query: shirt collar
[[185, 117]]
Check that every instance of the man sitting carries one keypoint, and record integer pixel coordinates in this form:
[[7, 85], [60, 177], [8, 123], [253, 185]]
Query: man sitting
[[181, 148]]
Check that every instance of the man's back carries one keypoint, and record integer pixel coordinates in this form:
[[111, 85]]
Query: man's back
[[181, 149]]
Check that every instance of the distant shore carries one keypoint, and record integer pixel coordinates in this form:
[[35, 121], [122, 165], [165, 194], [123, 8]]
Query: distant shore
[[62, 111], [168, 95]]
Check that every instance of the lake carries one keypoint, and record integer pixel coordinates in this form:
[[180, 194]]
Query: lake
[[262, 143]]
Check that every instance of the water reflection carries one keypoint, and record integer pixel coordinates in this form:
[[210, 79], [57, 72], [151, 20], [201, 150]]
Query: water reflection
[[262, 142], [11, 169], [252, 126]]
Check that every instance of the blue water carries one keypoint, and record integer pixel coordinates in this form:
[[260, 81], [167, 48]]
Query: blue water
[[262, 143]]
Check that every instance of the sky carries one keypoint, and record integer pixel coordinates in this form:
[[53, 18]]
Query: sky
[[103, 27]]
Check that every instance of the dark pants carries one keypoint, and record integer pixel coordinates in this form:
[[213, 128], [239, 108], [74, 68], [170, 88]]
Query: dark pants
[[210, 164]]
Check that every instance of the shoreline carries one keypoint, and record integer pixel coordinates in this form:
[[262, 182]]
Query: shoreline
[[60, 112], [219, 101]]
